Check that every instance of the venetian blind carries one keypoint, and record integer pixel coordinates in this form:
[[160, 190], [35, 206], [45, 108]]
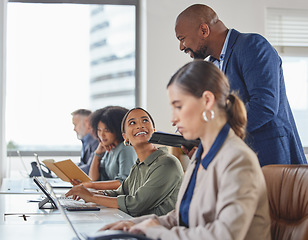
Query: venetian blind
[[287, 27]]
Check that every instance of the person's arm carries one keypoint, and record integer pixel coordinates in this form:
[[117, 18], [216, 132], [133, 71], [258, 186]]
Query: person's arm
[[94, 173], [103, 185], [80, 191], [262, 73], [168, 221]]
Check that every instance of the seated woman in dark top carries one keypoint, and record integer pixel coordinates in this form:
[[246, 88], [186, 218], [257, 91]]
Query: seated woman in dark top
[[153, 183]]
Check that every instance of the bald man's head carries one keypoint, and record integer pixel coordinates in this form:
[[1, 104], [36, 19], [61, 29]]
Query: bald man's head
[[193, 27], [200, 32], [199, 13]]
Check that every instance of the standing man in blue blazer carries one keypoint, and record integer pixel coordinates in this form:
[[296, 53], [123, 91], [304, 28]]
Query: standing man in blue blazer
[[253, 68]]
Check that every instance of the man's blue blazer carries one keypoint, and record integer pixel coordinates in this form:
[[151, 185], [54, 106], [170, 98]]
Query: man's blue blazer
[[254, 70]]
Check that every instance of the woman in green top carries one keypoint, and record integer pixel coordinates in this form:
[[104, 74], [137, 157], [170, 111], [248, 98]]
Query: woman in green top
[[154, 180]]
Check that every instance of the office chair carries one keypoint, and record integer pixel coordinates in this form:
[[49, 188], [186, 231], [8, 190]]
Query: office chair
[[287, 188]]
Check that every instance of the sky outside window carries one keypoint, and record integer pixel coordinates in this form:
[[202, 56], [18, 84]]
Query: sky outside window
[[47, 71]]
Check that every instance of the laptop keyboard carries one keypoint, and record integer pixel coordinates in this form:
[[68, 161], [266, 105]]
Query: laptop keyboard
[[70, 202]]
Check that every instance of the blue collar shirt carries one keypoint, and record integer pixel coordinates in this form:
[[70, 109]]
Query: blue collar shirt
[[222, 54]]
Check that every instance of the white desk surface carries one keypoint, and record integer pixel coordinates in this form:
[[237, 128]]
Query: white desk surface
[[24, 185], [21, 218]]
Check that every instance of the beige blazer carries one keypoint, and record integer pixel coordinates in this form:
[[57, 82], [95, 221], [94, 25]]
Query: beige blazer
[[229, 200]]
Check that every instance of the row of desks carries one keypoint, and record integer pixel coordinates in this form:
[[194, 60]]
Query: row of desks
[[21, 217]]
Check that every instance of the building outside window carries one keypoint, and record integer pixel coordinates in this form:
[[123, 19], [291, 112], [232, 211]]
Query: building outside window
[[62, 57], [112, 56]]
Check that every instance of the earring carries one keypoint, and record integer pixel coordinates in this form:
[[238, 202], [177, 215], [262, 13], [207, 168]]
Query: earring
[[126, 143], [205, 117]]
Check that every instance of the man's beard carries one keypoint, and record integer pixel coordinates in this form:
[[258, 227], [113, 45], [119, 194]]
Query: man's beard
[[82, 132], [80, 136], [200, 53]]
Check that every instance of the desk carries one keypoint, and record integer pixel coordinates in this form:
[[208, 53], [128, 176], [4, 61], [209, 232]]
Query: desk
[[27, 185], [18, 185], [23, 219]]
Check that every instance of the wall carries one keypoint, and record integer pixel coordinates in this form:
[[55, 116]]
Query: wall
[[163, 57], [2, 87]]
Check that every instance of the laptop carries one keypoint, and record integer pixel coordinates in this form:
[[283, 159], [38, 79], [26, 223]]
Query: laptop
[[26, 171], [56, 203], [66, 202], [103, 235], [17, 184]]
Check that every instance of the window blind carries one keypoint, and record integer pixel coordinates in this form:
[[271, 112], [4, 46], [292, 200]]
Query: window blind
[[287, 27]]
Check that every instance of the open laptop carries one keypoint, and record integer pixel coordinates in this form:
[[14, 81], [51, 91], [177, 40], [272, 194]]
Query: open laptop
[[56, 202], [22, 184], [25, 172], [68, 203], [103, 235]]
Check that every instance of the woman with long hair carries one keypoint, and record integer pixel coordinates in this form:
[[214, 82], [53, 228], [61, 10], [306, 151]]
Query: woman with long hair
[[112, 160]]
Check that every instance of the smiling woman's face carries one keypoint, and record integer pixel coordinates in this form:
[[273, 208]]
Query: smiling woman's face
[[138, 127]]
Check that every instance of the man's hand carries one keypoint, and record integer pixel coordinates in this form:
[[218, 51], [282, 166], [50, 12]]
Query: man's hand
[[184, 149], [187, 152]]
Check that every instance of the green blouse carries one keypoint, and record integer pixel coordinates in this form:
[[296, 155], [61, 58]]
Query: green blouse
[[152, 185]]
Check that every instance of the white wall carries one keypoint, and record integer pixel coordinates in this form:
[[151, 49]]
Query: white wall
[[2, 87], [163, 56]]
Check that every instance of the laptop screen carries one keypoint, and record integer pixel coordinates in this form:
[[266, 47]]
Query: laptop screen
[[51, 196]]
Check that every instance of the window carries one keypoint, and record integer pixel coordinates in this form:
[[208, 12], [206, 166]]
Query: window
[[296, 79], [61, 57], [287, 30]]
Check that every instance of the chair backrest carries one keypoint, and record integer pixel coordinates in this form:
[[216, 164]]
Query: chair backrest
[[287, 188]]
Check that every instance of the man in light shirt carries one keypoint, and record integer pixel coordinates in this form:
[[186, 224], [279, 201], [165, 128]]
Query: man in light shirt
[[254, 70]]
